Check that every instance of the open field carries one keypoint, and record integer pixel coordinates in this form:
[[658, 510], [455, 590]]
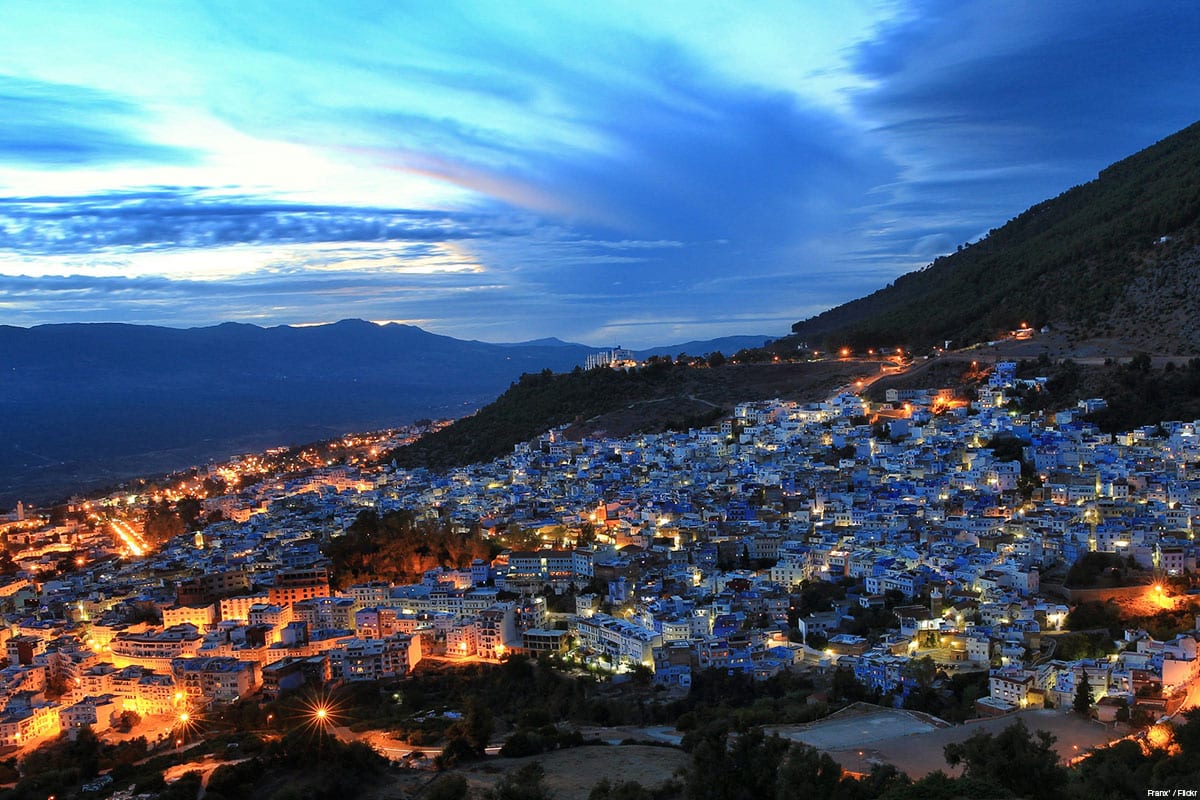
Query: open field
[[916, 747], [859, 726]]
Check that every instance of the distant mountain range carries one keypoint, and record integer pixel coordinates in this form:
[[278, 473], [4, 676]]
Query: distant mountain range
[[91, 404], [1117, 257]]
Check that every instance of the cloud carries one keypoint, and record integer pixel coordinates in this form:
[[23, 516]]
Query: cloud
[[691, 157], [57, 126], [636, 178], [181, 217], [578, 171], [992, 107]]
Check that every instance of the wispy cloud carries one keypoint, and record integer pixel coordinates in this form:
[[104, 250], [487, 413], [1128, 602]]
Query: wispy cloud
[[991, 107], [59, 126], [175, 217]]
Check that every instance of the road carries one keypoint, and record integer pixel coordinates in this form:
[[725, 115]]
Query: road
[[393, 749]]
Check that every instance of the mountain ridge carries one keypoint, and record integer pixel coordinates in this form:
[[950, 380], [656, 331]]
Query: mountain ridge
[[89, 404]]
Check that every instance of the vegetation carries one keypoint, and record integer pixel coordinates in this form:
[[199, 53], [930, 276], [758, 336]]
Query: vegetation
[[1025, 765], [662, 396], [303, 764], [397, 547], [1014, 763], [537, 402], [1066, 259], [1137, 393], [1095, 644], [1102, 571], [950, 698], [526, 783], [1006, 447], [1084, 698], [60, 766], [1140, 395]]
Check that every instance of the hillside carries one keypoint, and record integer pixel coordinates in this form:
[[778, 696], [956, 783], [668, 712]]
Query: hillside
[[619, 403], [1116, 257]]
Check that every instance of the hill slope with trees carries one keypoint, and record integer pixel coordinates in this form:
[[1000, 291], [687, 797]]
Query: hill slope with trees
[[663, 396], [1122, 247]]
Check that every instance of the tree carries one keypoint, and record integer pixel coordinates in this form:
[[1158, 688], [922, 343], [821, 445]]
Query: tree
[[1084, 699], [128, 720], [162, 523], [456, 750], [922, 671], [447, 787], [806, 773], [526, 783], [621, 790], [846, 686], [478, 724], [188, 509], [1025, 765]]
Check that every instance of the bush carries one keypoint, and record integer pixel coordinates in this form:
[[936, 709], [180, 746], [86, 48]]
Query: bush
[[447, 787], [522, 743]]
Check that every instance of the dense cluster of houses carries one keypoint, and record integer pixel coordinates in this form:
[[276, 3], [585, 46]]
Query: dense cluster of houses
[[673, 552]]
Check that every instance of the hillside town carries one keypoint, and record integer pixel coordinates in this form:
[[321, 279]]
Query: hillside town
[[946, 525]]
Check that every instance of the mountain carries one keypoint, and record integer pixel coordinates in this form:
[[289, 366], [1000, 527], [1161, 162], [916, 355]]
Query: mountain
[[728, 345], [1116, 257], [87, 405], [549, 341]]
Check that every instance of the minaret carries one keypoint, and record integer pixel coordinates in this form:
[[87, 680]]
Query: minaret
[[935, 602]]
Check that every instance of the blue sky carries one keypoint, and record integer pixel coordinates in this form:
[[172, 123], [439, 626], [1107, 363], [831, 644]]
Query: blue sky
[[633, 173]]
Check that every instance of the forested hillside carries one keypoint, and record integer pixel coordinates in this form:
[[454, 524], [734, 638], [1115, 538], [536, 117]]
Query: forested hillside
[[618, 402], [1125, 242]]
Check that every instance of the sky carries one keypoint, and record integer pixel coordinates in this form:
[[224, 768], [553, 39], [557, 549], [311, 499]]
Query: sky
[[613, 173]]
